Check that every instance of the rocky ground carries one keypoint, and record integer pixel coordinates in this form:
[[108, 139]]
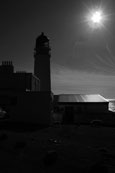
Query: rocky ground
[[58, 149]]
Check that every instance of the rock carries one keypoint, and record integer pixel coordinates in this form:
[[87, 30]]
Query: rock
[[103, 150], [98, 167], [54, 141], [3, 137], [20, 145], [50, 158]]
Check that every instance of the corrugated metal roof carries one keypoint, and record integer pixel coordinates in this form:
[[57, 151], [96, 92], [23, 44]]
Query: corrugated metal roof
[[70, 98]]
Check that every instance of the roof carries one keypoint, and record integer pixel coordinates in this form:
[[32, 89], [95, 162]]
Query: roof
[[73, 98]]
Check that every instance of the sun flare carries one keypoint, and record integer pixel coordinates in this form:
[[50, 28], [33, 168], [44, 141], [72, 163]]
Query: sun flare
[[97, 17]]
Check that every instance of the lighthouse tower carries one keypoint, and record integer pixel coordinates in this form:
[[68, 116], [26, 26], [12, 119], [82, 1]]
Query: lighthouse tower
[[42, 62]]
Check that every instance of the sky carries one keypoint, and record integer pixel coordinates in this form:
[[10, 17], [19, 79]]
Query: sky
[[82, 57]]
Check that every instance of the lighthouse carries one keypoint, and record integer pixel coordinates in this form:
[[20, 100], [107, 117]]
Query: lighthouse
[[42, 62]]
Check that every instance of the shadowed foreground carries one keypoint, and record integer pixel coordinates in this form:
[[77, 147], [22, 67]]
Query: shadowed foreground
[[58, 149]]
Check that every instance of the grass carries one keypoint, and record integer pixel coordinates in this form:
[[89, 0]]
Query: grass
[[77, 148]]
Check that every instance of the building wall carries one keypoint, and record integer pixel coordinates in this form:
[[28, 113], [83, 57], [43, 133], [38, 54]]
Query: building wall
[[35, 84], [82, 112], [42, 71], [13, 82], [32, 107], [87, 107], [19, 82], [6, 67]]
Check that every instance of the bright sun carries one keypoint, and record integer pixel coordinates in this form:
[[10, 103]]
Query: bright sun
[[97, 17]]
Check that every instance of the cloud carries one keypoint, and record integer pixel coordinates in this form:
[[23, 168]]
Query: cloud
[[93, 57], [66, 80]]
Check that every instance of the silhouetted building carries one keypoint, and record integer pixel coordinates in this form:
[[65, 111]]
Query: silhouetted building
[[24, 96], [6, 68], [19, 81], [42, 62], [81, 107], [28, 107]]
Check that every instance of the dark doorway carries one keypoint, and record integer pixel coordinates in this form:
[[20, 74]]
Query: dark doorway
[[68, 115]]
